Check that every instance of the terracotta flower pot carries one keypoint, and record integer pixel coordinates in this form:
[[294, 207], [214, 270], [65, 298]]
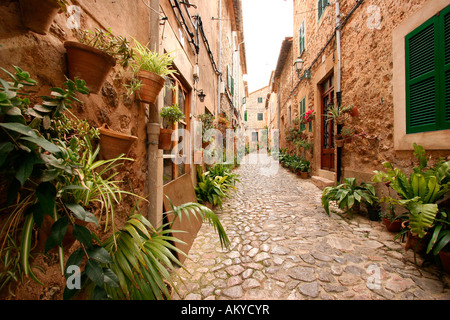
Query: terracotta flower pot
[[339, 143], [304, 175], [38, 15], [152, 84], [415, 243], [165, 139], [113, 143], [354, 112], [89, 64], [394, 226], [445, 260]]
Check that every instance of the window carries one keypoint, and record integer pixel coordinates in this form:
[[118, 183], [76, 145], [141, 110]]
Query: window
[[180, 96], [260, 100], [255, 136], [428, 75], [230, 81], [301, 34], [302, 113], [260, 116], [322, 5]]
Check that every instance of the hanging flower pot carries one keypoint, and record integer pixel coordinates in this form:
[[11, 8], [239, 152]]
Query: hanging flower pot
[[88, 63], [354, 112], [38, 15], [340, 143], [113, 143], [165, 139], [151, 86]]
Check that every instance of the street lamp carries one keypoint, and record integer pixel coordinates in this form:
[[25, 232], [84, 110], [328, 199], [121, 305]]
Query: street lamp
[[298, 64], [201, 96]]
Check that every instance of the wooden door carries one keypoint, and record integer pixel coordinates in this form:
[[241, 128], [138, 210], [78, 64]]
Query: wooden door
[[327, 127]]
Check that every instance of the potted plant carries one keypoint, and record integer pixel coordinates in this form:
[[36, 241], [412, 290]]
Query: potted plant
[[347, 134], [418, 194], [38, 15], [150, 72], [440, 239], [94, 55], [170, 115], [114, 143], [348, 196], [392, 221]]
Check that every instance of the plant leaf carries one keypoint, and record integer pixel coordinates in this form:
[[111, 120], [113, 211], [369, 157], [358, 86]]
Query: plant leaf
[[57, 233], [95, 272], [99, 254], [83, 235]]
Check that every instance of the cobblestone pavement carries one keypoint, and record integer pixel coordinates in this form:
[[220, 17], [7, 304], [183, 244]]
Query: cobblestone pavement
[[285, 247]]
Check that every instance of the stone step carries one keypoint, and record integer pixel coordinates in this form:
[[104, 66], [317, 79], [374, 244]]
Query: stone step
[[322, 183]]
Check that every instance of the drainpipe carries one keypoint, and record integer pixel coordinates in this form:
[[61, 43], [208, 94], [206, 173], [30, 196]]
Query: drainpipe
[[338, 86], [219, 76], [154, 155]]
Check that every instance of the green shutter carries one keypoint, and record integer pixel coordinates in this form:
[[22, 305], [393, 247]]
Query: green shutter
[[446, 35], [302, 113], [428, 75], [301, 36], [245, 116], [421, 78]]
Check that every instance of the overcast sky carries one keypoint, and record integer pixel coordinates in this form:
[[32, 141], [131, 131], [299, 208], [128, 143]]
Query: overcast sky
[[266, 24]]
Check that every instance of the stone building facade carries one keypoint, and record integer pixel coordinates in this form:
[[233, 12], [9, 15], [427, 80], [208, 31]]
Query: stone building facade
[[256, 107], [354, 54], [204, 37]]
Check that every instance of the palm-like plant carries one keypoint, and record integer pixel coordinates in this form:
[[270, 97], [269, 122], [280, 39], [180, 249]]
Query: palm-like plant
[[143, 257]]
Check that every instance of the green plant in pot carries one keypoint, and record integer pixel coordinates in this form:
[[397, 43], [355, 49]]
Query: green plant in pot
[[170, 116], [93, 56], [392, 220], [348, 196], [439, 244], [151, 69], [419, 194], [38, 15]]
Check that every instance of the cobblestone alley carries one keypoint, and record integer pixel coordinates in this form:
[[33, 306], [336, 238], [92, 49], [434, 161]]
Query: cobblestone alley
[[284, 246]]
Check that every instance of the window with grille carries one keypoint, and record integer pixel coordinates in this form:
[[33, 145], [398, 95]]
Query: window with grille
[[428, 75], [260, 116]]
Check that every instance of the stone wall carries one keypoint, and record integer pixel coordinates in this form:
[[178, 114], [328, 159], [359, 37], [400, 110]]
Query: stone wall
[[367, 77], [43, 56]]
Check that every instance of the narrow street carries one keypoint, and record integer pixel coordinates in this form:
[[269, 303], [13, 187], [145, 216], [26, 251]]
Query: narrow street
[[284, 246]]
